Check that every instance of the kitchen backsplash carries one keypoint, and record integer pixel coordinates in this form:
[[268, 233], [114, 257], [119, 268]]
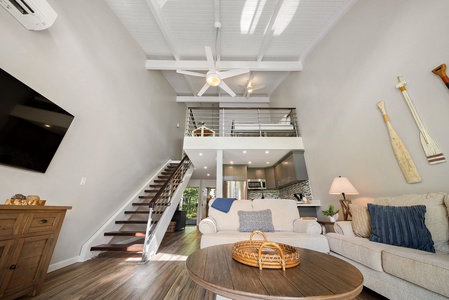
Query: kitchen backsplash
[[284, 193]]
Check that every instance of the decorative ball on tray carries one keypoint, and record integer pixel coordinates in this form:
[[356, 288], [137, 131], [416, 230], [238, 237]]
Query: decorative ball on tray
[[20, 199]]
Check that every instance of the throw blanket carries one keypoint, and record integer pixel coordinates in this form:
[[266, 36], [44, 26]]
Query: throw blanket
[[223, 204]]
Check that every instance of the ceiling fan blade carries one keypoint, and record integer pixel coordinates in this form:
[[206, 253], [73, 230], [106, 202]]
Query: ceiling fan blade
[[231, 73], [226, 88], [210, 58], [203, 89], [191, 73]]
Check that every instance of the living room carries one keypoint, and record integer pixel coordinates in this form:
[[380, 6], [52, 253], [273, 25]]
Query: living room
[[125, 116]]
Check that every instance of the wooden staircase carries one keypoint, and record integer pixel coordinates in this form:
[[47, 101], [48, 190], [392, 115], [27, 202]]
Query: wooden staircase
[[131, 236]]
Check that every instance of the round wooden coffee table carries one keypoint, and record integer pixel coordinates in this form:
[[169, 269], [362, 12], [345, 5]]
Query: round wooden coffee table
[[318, 276]]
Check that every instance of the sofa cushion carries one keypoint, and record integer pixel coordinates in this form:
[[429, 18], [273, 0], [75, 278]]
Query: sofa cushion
[[400, 226], [229, 220], [358, 249], [437, 210], [255, 220], [284, 212], [429, 270], [360, 220], [317, 242]]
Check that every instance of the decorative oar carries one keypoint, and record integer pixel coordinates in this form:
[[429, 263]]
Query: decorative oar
[[403, 157], [430, 146], [441, 71]]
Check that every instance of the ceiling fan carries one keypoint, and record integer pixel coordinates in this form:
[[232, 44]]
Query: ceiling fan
[[250, 88], [213, 76]]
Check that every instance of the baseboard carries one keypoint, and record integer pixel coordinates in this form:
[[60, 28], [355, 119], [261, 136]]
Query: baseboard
[[61, 264]]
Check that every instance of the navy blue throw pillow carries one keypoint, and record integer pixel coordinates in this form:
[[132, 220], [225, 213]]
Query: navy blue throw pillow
[[400, 226]]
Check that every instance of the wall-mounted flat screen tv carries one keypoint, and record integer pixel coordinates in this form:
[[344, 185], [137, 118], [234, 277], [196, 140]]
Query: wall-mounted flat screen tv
[[31, 126]]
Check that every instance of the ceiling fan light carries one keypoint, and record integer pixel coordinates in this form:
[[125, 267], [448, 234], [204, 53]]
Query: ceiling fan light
[[250, 90], [213, 79]]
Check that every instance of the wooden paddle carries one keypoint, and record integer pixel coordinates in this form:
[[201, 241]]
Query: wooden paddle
[[403, 157], [430, 146], [441, 71]]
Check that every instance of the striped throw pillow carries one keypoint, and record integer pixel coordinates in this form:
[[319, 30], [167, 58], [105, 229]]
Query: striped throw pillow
[[400, 226], [360, 220]]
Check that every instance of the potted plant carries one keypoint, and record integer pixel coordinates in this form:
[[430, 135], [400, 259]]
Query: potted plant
[[331, 213]]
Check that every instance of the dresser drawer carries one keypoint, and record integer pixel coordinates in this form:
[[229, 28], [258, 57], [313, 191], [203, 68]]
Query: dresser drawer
[[10, 224], [42, 222]]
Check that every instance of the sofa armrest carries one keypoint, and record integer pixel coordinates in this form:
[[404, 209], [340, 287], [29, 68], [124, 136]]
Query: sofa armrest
[[208, 225], [344, 228], [306, 226]]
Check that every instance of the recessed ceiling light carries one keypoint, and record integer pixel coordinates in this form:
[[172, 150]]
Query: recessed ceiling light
[[208, 174], [267, 162], [244, 151], [205, 167], [201, 153], [47, 125], [249, 163], [267, 151], [231, 162]]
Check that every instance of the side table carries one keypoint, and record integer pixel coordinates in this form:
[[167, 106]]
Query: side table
[[326, 226]]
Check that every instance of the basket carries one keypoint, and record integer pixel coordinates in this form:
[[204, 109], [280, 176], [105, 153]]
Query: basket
[[265, 254], [171, 227]]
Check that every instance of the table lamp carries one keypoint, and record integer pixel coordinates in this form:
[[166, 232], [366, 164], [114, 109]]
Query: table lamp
[[341, 185]]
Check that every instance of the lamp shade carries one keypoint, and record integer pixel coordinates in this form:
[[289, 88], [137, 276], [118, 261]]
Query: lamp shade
[[341, 185]]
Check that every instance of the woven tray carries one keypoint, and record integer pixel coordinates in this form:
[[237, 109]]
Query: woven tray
[[265, 254]]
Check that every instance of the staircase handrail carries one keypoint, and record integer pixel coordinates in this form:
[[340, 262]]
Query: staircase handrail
[[184, 160]]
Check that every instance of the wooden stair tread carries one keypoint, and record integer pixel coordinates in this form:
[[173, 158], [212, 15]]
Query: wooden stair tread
[[118, 247], [129, 212], [131, 222], [125, 233]]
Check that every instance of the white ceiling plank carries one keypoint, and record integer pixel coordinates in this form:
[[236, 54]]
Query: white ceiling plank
[[223, 99], [200, 65]]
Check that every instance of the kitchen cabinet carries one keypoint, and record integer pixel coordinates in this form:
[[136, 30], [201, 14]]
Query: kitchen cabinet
[[256, 173], [28, 236], [269, 176], [234, 172], [291, 169]]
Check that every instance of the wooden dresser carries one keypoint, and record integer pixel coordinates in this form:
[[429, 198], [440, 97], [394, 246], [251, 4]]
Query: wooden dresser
[[28, 236]]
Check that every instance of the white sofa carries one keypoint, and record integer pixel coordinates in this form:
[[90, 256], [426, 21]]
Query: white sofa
[[223, 228], [398, 272]]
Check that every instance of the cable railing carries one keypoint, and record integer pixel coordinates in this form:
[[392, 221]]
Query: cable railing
[[241, 122]]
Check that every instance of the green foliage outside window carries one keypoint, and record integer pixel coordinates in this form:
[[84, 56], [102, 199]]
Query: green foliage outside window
[[189, 202]]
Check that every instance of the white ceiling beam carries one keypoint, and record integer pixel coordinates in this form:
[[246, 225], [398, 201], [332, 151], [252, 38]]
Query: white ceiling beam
[[155, 8], [270, 30], [200, 65], [223, 99]]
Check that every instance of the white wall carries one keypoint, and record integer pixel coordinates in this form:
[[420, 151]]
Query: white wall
[[125, 116], [353, 68]]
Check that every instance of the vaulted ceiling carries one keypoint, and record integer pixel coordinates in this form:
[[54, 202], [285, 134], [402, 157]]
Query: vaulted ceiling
[[269, 38]]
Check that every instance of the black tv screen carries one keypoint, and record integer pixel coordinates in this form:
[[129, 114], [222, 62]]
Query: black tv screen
[[31, 126]]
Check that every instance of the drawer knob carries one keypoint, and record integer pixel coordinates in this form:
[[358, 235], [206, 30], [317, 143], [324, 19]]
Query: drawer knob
[[43, 221], [13, 267]]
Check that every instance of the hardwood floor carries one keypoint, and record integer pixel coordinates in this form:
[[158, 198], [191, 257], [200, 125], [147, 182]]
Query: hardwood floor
[[118, 276]]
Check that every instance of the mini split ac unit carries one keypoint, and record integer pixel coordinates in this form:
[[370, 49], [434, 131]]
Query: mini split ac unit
[[33, 14]]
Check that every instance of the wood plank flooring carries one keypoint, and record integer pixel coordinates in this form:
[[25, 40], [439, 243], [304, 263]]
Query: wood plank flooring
[[118, 276]]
